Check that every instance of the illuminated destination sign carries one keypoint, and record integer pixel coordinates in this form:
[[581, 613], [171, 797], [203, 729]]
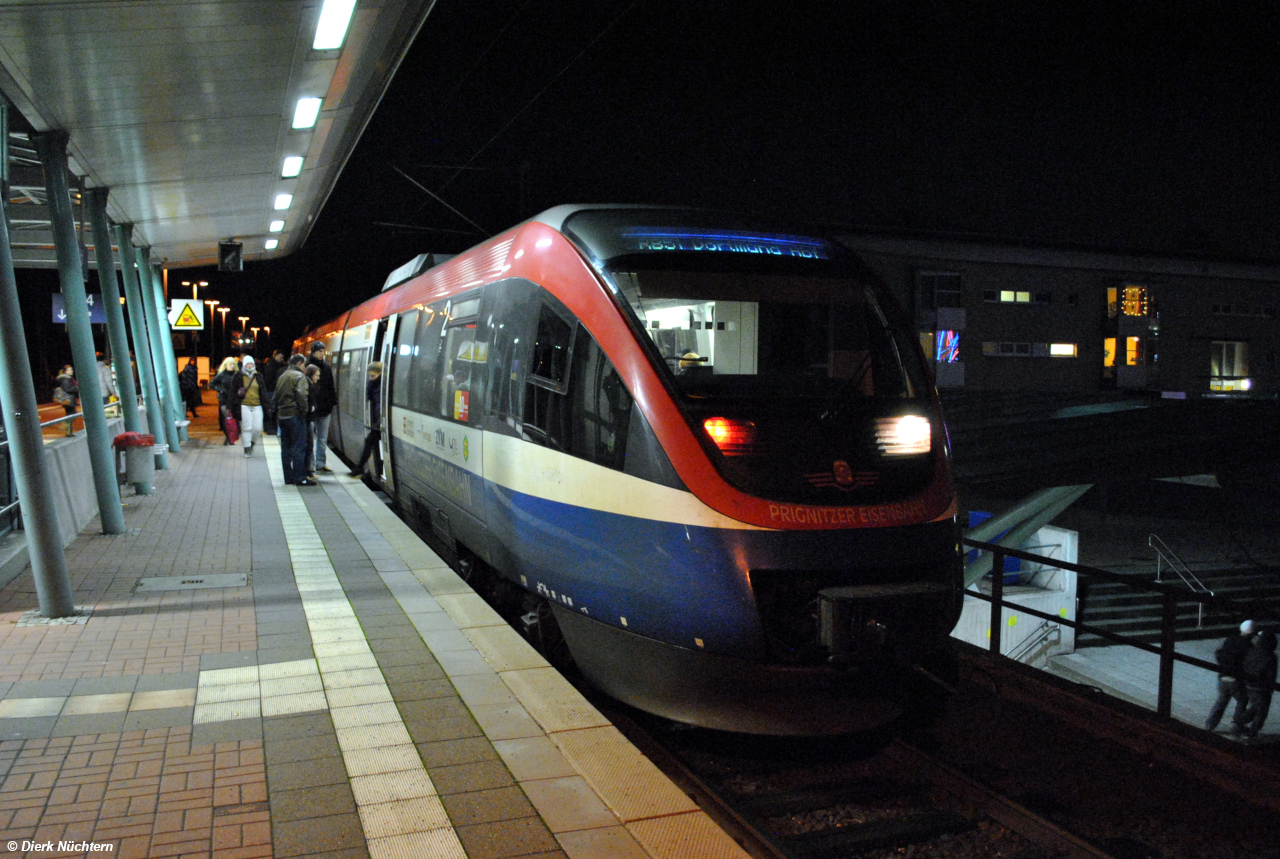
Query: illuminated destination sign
[[736, 242]]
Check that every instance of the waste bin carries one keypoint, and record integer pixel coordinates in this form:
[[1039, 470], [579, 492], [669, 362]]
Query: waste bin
[[139, 459]]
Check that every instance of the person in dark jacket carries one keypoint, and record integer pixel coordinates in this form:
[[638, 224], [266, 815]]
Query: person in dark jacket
[[66, 393], [271, 370], [226, 386], [324, 397], [1259, 671], [373, 394], [1230, 655], [189, 386], [292, 403]]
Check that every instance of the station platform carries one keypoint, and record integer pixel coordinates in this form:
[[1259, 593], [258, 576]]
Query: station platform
[[271, 670]]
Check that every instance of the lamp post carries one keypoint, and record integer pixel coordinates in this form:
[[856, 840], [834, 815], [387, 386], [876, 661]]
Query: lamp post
[[223, 311], [213, 305], [243, 330], [255, 331], [267, 328]]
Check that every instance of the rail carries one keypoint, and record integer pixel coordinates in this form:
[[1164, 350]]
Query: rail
[[1041, 633], [1171, 595], [1165, 555]]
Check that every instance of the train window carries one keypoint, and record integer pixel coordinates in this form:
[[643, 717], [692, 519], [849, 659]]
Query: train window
[[403, 358], [551, 348], [600, 406], [745, 333], [423, 384], [462, 373]]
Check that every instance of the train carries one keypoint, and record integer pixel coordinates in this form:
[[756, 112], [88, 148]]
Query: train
[[698, 453]]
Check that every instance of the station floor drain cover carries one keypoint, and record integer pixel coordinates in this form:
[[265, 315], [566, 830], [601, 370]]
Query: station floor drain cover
[[191, 583]]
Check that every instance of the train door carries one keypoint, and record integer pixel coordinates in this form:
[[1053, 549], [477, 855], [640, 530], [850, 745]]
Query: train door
[[381, 351]]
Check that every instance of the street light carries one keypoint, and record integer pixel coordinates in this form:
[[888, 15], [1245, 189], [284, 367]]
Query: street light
[[223, 311], [213, 305]]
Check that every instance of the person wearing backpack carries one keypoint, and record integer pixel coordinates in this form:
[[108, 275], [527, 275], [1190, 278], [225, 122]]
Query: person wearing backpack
[[66, 393]]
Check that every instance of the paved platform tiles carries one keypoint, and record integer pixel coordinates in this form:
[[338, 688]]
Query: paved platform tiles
[[352, 698]]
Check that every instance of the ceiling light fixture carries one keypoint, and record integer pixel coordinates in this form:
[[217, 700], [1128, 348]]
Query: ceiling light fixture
[[292, 166], [335, 17], [306, 112], [276, 226], [283, 201]]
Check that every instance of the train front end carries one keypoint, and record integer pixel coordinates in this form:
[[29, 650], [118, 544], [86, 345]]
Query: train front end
[[790, 397]]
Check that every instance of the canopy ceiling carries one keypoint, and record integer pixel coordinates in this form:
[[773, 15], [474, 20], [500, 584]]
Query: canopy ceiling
[[184, 110]]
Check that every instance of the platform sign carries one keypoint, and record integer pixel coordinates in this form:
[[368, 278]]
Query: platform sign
[[94, 302], [186, 314]]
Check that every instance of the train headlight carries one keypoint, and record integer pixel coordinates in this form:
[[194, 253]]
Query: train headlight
[[733, 437], [904, 436]]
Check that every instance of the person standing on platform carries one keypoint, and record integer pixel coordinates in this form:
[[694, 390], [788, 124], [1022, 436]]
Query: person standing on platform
[[373, 394], [1230, 655], [249, 393], [324, 397], [66, 393], [225, 384], [1259, 672], [189, 386], [293, 399], [271, 370], [312, 372], [106, 382]]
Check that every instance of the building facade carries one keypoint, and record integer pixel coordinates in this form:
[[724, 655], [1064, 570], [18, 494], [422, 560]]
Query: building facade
[[1010, 318]]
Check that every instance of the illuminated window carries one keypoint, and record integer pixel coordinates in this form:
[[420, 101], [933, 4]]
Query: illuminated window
[[1113, 302], [1136, 301], [1062, 350], [1016, 296], [948, 347], [1229, 366], [1109, 352], [1133, 351]]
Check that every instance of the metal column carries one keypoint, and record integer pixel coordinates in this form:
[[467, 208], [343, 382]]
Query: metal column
[[158, 357], [115, 316], [166, 345], [26, 443], [52, 149], [141, 341]]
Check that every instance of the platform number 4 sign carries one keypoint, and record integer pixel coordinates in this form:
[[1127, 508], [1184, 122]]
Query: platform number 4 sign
[[230, 256]]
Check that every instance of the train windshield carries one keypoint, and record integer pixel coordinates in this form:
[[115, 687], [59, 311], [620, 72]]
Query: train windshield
[[737, 332]]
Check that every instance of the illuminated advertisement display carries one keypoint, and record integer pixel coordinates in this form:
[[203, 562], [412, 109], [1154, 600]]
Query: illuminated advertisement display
[[715, 241]]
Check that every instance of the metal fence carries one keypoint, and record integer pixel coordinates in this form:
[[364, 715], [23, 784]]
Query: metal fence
[[1171, 597]]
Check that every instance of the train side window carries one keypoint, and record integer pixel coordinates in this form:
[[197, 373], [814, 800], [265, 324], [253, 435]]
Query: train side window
[[546, 412], [403, 360], [463, 371], [600, 406], [423, 384]]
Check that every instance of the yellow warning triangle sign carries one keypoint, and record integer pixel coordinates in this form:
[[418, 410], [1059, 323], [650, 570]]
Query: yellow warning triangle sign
[[187, 318]]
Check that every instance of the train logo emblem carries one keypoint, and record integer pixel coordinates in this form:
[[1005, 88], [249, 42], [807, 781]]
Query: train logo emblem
[[842, 472], [842, 477]]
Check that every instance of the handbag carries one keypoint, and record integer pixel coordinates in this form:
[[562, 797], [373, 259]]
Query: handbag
[[61, 397], [233, 429]]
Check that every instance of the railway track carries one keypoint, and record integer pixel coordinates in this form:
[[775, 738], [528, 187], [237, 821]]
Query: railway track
[[839, 799]]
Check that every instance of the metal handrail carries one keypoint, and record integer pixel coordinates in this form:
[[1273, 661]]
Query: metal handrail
[[1166, 555], [1039, 634], [1169, 616]]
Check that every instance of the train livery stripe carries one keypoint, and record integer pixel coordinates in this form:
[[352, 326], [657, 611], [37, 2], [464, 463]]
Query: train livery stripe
[[539, 472]]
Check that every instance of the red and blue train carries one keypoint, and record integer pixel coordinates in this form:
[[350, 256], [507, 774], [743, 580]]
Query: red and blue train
[[702, 453]]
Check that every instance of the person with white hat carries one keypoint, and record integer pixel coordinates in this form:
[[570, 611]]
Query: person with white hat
[[1230, 656]]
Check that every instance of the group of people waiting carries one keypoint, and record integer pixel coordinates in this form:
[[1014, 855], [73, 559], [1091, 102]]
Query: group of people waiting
[[294, 398], [1247, 674]]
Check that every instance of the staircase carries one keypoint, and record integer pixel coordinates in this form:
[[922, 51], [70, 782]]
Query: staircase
[[1135, 614]]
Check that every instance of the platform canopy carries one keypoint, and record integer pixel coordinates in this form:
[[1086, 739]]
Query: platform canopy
[[185, 110]]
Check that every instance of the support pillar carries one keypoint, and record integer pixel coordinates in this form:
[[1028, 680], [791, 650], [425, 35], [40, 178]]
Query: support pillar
[[110, 286], [166, 346], [168, 404], [26, 443], [141, 340], [52, 149]]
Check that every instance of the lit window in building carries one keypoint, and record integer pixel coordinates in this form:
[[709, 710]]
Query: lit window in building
[[1109, 352], [1062, 350], [1229, 366], [1133, 351], [948, 351], [1136, 301]]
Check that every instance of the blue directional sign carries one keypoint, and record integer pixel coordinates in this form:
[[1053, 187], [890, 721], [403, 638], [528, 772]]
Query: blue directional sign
[[97, 313]]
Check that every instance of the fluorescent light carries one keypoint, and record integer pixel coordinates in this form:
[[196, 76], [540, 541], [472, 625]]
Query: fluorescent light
[[283, 201], [306, 112], [335, 15], [292, 166], [276, 226], [272, 244]]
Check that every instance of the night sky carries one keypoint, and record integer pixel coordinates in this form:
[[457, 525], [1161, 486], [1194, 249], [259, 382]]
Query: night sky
[[1128, 126]]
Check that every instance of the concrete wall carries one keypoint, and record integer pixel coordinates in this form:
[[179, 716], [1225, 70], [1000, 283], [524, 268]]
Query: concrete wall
[[74, 499]]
